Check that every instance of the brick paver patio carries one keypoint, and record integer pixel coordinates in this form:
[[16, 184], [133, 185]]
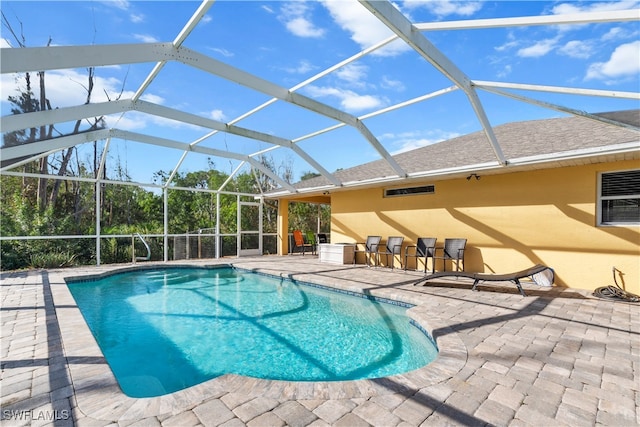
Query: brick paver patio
[[556, 357]]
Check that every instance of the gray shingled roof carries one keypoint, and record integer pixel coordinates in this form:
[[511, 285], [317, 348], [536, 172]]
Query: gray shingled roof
[[517, 140]]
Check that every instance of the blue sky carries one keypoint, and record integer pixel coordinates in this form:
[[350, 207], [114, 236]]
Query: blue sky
[[288, 42]]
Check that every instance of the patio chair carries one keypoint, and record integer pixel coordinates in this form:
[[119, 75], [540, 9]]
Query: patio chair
[[299, 243], [453, 251], [369, 248], [322, 238], [311, 239], [485, 277], [393, 248], [425, 247]]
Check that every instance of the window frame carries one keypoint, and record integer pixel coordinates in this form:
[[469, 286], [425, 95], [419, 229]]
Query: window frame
[[601, 198]]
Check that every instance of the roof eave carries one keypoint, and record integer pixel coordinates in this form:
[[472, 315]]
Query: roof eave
[[630, 150]]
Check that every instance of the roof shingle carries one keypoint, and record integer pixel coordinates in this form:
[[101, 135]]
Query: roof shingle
[[517, 140]]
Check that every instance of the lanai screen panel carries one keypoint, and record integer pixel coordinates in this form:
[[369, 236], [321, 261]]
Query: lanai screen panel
[[307, 77]]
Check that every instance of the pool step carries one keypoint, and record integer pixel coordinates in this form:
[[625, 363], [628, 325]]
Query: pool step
[[173, 277]]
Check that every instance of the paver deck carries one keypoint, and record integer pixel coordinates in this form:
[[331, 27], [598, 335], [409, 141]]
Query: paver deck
[[556, 357]]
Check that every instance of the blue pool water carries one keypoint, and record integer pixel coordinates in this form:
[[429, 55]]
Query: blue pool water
[[163, 330]]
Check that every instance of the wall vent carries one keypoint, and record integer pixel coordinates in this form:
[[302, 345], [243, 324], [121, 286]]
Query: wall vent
[[409, 191]]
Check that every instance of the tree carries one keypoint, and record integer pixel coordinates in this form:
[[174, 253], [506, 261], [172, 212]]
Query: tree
[[94, 123], [26, 102], [305, 216], [308, 175]]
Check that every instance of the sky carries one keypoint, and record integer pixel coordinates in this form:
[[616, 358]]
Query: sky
[[287, 43]]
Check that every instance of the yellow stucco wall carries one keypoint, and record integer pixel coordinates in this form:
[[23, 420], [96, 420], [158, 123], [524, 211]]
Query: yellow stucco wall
[[283, 227], [511, 221]]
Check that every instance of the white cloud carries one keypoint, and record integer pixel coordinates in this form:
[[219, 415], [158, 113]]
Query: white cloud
[[217, 115], [323, 91], [349, 100], [119, 4], [579, 7], [354, 102], [352, 73], [8, 87], [136, 18], [145, 38], [539, 49], [577, 49], [619, 33], [133, 120], [67, 88], [302, 27], [302, 67], [612, 34], [149, 97], [411, 144], [506, 46], [623, 63], [296, 17], [506, 71], [4, 43], [388, 83], [511, 43], [408, 141], [366, 30], [575, 7], [446, 7], [223, 52]]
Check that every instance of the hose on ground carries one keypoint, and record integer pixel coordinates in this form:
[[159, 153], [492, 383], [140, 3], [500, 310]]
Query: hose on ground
[[615, 292]]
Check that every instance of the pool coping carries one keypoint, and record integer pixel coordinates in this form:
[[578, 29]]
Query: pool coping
[[98, 394]]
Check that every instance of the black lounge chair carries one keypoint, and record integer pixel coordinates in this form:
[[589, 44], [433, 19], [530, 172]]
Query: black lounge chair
[[393, 248], [453, 251], [425, 247], [369, 248], [477, 277]]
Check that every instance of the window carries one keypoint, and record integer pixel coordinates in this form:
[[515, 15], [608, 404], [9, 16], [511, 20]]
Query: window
[[620, 198], [409, 191]]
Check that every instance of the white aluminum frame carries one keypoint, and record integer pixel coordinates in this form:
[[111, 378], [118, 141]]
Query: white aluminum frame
[[57, 57], [414, 34]]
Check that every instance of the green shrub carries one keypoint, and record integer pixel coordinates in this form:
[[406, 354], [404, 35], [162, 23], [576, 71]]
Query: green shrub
[[13, 256], [52, 260], [115, 250]]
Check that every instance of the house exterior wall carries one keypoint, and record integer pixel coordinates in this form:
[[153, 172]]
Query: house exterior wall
[[512, 221], [283, 227]]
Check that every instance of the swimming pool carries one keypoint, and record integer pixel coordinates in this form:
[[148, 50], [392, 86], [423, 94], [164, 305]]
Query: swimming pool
[[163, 330]]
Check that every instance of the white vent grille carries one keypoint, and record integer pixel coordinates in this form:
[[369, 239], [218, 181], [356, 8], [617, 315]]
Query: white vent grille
[[409, 191]]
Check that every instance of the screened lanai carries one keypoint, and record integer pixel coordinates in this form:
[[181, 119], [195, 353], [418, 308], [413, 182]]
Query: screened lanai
[[273, 92]]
